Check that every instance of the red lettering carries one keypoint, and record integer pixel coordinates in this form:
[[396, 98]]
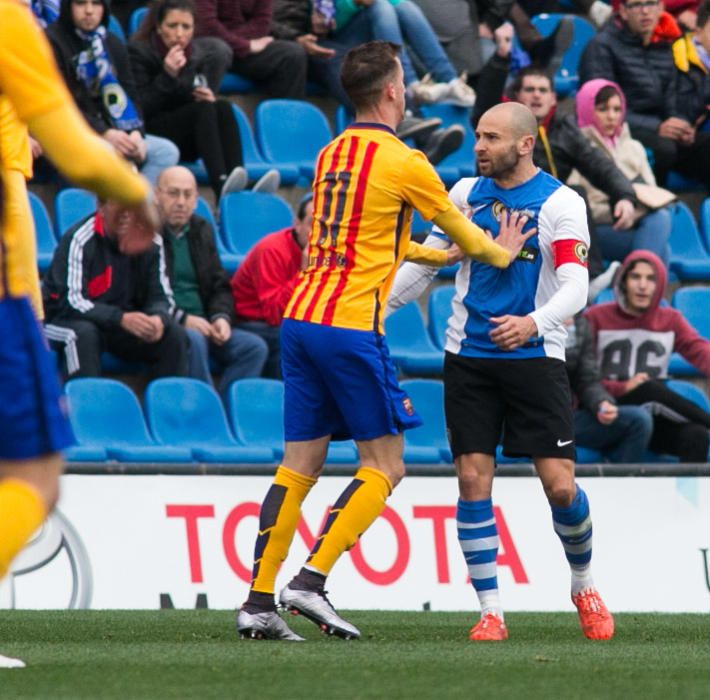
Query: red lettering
[[438, 515], [236, 515], [388, 576], [191, 514], [507, 553]]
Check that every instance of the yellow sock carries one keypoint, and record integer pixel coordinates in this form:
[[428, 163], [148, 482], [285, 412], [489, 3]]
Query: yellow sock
[[22, 511], [278, 519], [356, 509]]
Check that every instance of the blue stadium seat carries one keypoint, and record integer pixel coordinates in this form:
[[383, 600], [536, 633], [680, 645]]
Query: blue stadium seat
[[233, 83], [114, 26], [46, 242], [680, 183], [254, 162], [680, 367], [567, 76], [439, 311], [691, 392], [704, 221], [342, 119], [189, 413], [689, 259], [426, 444], [291, 132], [197, 168], [71, 205], [694, 304], [135, 19], [587, 455], [410, 346], [105, 414], [255, 408], [462, 160], [246, 217]]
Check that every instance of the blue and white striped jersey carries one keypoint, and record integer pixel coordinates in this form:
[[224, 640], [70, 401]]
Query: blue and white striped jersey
[[532, 283]]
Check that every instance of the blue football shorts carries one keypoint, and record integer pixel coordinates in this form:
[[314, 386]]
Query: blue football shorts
[[340, 382], [33, 420]]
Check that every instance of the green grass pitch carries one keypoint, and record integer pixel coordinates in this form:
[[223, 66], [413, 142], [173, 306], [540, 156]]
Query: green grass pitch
[[196, 654]]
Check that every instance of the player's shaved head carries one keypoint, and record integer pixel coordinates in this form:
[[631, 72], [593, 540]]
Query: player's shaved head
[[515, 117]]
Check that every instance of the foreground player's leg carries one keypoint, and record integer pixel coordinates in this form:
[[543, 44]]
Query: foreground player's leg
[[28, 491], [478, 537], [355, 510], [573, 524], [278, 519]]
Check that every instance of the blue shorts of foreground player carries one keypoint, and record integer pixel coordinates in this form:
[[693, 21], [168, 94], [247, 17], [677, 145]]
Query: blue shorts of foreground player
[[340, 382], [33, 421]]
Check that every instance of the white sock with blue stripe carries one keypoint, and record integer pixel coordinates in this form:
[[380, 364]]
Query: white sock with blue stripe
[[478, 537], [573, 525]]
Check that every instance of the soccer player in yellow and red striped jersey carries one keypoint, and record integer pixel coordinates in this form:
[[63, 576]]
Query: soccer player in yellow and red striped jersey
[[33, 427], [339, 380]]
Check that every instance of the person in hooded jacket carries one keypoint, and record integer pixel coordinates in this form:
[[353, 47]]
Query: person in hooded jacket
[[634, 338], [94, 64], [601, 116]]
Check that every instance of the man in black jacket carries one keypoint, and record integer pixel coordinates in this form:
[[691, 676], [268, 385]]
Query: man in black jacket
[[203, 296], [98, 296], [635, 50], [561, 147], [95, 66], [620, 433]]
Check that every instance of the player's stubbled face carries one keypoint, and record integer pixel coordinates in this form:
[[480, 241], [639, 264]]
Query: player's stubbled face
[[496, 150], [87, 14], [640, 286]]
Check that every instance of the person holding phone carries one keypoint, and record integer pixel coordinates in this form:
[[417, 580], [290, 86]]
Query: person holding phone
[[177, 76]]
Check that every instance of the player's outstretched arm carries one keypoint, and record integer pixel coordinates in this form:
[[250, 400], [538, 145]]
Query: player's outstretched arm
[[474, 242]]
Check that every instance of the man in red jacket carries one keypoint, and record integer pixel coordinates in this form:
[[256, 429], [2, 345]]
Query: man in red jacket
[[634, 338], [279, 66], [263, 284]]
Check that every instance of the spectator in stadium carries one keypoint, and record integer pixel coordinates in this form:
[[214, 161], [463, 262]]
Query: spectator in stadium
[[298, 20], [203, 302], [560, 148], [403, 23], [601, 115], [99, 296], [620, 433], [177, 77], [634, 337], [278, 67], [691, 54], [95, 66], [634, 50], [466, 29], [338, 376], [263, 283], [34, 428]]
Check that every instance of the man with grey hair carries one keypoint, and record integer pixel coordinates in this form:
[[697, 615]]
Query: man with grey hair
[[504, 370]]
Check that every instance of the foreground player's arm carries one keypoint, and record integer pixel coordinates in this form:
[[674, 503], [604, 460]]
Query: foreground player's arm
[[418, 253], [413, 278], [472, 240], [422, 188], [29, 78]]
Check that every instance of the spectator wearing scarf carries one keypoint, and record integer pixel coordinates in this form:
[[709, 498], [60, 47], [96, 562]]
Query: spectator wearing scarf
[[95, 66]]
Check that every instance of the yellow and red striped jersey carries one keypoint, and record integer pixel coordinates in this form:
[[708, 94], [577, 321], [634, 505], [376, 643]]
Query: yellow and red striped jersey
[[365, 186]]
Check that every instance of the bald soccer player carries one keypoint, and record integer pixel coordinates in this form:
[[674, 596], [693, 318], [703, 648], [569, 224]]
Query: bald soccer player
[[504, 372]]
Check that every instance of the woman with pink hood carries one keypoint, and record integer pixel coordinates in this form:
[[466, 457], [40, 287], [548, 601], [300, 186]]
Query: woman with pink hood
[[601, 113]]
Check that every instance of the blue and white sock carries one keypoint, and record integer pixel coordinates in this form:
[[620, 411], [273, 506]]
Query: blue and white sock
[[478, 537], [573, 525]]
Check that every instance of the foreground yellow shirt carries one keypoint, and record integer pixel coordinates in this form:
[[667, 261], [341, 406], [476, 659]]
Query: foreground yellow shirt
[[31, 84], [365, 186]]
